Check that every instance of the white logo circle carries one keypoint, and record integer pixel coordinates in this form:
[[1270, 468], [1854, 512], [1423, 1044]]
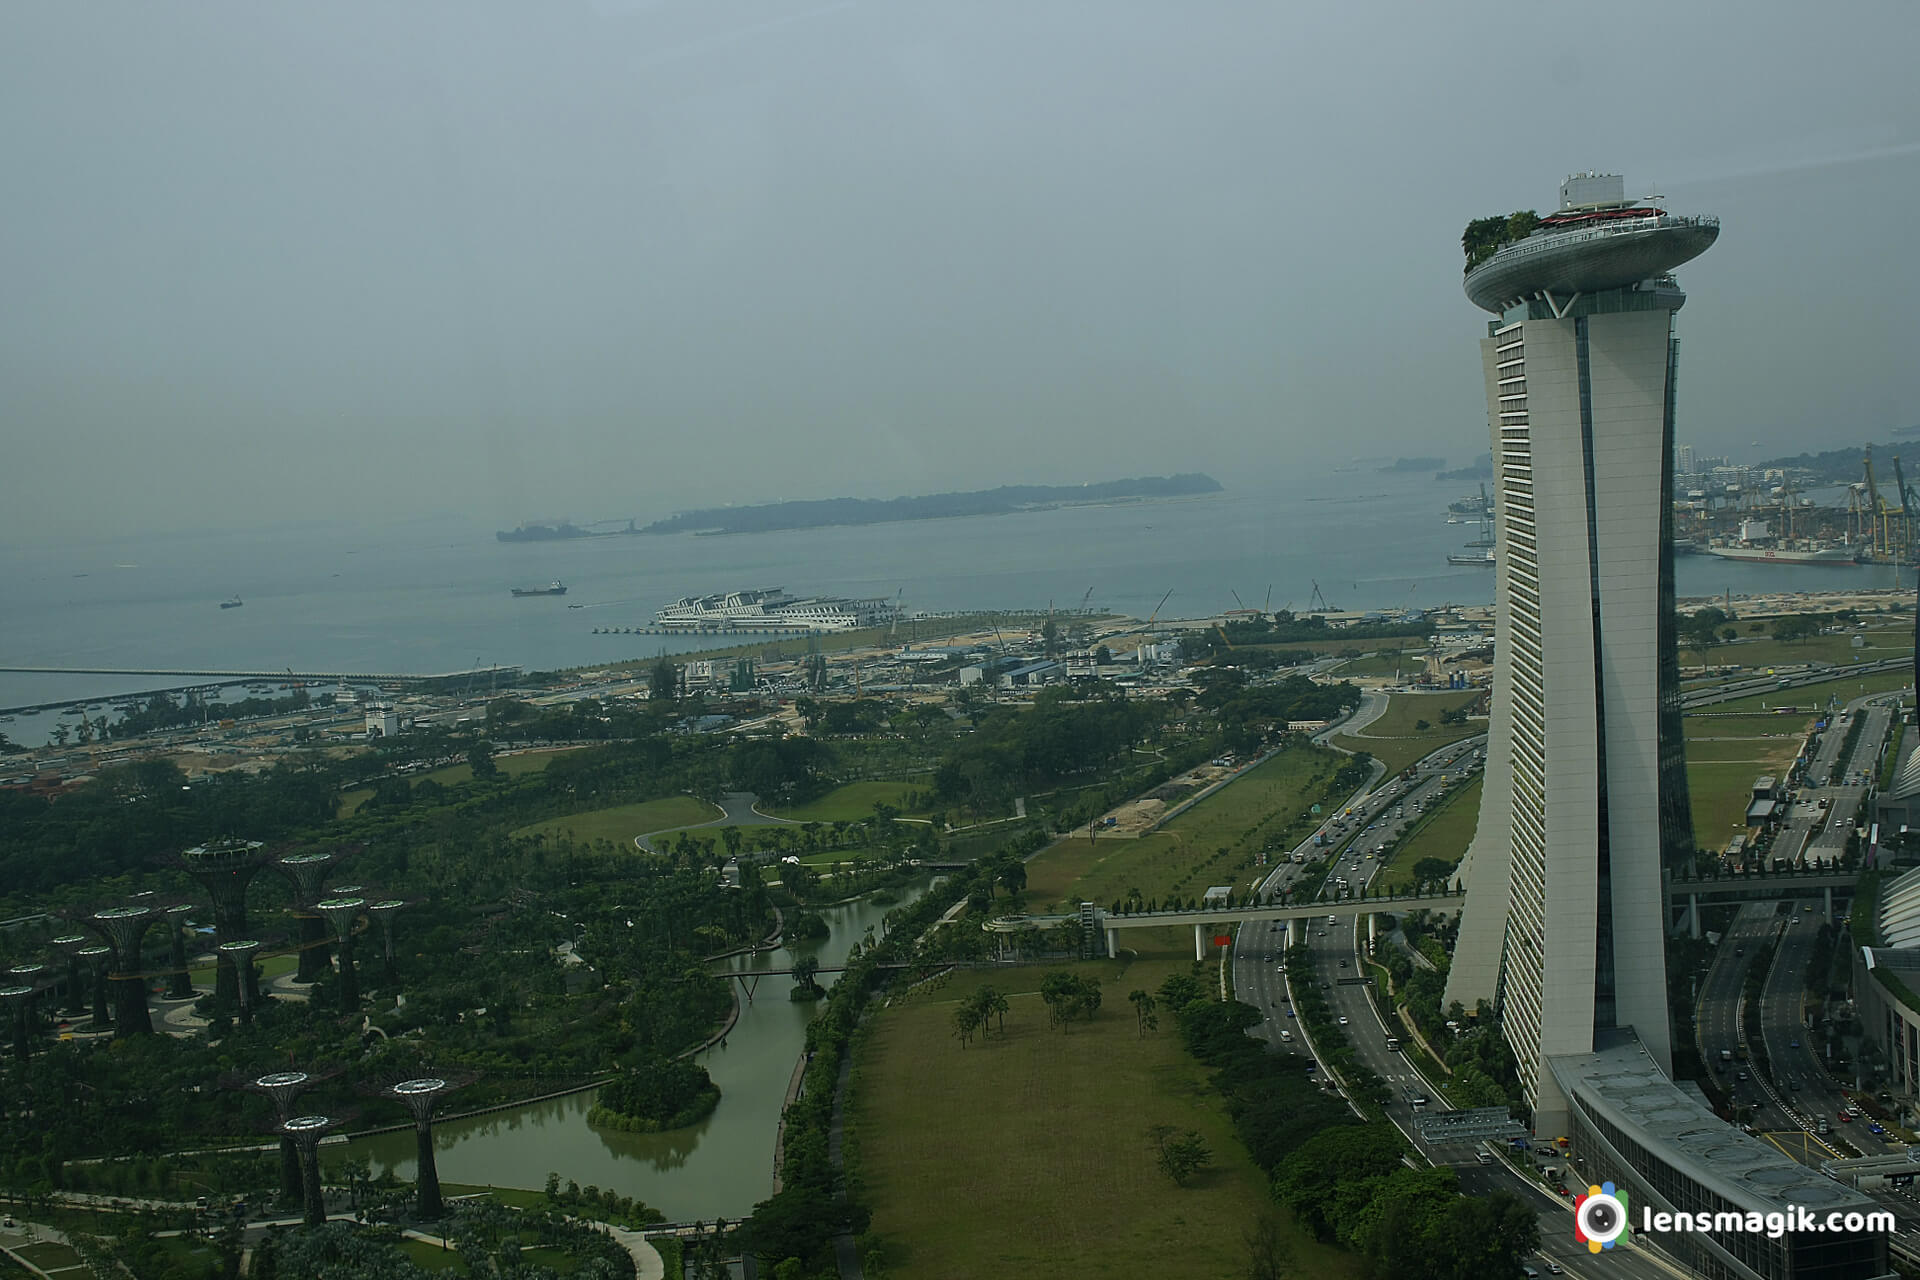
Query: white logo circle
[[1602, 1218]]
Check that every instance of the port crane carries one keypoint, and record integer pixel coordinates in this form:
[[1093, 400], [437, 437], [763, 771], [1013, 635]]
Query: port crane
[[1888, 534], [1155, 615], [1907, 507]]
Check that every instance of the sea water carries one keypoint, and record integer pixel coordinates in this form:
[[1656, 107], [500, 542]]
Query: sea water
[[433, 594]]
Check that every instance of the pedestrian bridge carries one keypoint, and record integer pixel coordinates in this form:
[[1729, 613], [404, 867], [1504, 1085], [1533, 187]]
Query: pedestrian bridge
[[1207, 921], [1687, 895]]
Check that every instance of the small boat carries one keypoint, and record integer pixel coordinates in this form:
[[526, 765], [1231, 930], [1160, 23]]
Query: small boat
[[234, 603], [554, 588]]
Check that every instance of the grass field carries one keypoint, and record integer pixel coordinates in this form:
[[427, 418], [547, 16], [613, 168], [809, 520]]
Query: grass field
[[1762, 753], [270, 968], [1406, 662], [1028, 1154], [1765, 651], [512, 766], [855, 802], [1444, 834], [1814, 696], [1184, 855], [50, 1255], [431, 1257], [1720, 794], [622, 823], [1395, 742]]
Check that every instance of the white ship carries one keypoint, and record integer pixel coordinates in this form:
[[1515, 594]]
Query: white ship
[[1812, 553], [772, 609]]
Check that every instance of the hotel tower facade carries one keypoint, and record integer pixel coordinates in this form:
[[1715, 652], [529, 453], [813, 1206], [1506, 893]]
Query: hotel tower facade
[[1585, 796]]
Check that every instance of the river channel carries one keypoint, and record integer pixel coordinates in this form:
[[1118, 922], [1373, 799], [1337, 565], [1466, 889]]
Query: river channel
[[718, 1168]]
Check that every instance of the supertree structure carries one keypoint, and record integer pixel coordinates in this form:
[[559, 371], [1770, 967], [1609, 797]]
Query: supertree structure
[[282, 1088], [341, 913], [179, 983], [240, 953], [225, 869], [307, 874], [17, 999], [421, 1095], [36, 978], [99, 960], [123, 928], [305, 1133], [384, 912], [68, 946]]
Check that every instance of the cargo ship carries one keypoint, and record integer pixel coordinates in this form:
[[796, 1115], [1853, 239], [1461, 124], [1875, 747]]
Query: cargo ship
[[1811, 553], [554, 588], [771, 609]]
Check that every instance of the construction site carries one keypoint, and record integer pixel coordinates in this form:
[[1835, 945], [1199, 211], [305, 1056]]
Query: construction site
[[1770, 515]]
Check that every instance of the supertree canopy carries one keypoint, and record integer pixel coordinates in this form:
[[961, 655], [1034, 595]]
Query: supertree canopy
[[421, 1095], [225, 869], [123, 928], [99, 961], [341, 913], [307, 874], [69, 947], [282, 1088]]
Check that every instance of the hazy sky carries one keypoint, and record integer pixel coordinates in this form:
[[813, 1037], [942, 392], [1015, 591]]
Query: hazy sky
[[261, 262]]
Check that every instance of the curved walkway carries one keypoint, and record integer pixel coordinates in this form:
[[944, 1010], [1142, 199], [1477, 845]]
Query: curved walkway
[[647, 1262], [737, 809]]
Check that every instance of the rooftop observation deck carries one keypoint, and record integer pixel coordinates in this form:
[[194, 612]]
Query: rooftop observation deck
[[1607, 255]]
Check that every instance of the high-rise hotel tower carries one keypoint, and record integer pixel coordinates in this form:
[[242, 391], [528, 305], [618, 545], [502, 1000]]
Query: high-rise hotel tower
[[1585, 797]]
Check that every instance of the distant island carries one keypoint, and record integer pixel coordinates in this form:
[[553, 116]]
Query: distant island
[[776, 516], [1481, 468], [1414, 464]]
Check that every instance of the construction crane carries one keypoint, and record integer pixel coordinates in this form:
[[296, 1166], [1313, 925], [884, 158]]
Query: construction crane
[[1907, 507], [1155, 615], [1083, 601], [1876, 509], [1318, 599], [894, 630]]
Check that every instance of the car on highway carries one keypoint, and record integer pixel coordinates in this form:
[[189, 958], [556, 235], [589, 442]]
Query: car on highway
[[1793, 1044], [1343, 1020], [1877, 1130]]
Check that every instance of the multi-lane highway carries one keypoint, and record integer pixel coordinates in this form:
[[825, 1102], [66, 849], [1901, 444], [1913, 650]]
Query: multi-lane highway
[[1791, 1094], [1338, 951], [1828, 806]]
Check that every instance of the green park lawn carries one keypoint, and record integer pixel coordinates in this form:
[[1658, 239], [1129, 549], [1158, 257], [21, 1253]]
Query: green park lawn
[[1443, 833], [1406, 662], [1184, 856], [1719, 794], [270, 968], [453, 774], [48, 1255], [1394, 739], [512, 766], [1765, 651], [1812, 697], [431, 1257], [1027, 1153], [622, 823], [854, 802]]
